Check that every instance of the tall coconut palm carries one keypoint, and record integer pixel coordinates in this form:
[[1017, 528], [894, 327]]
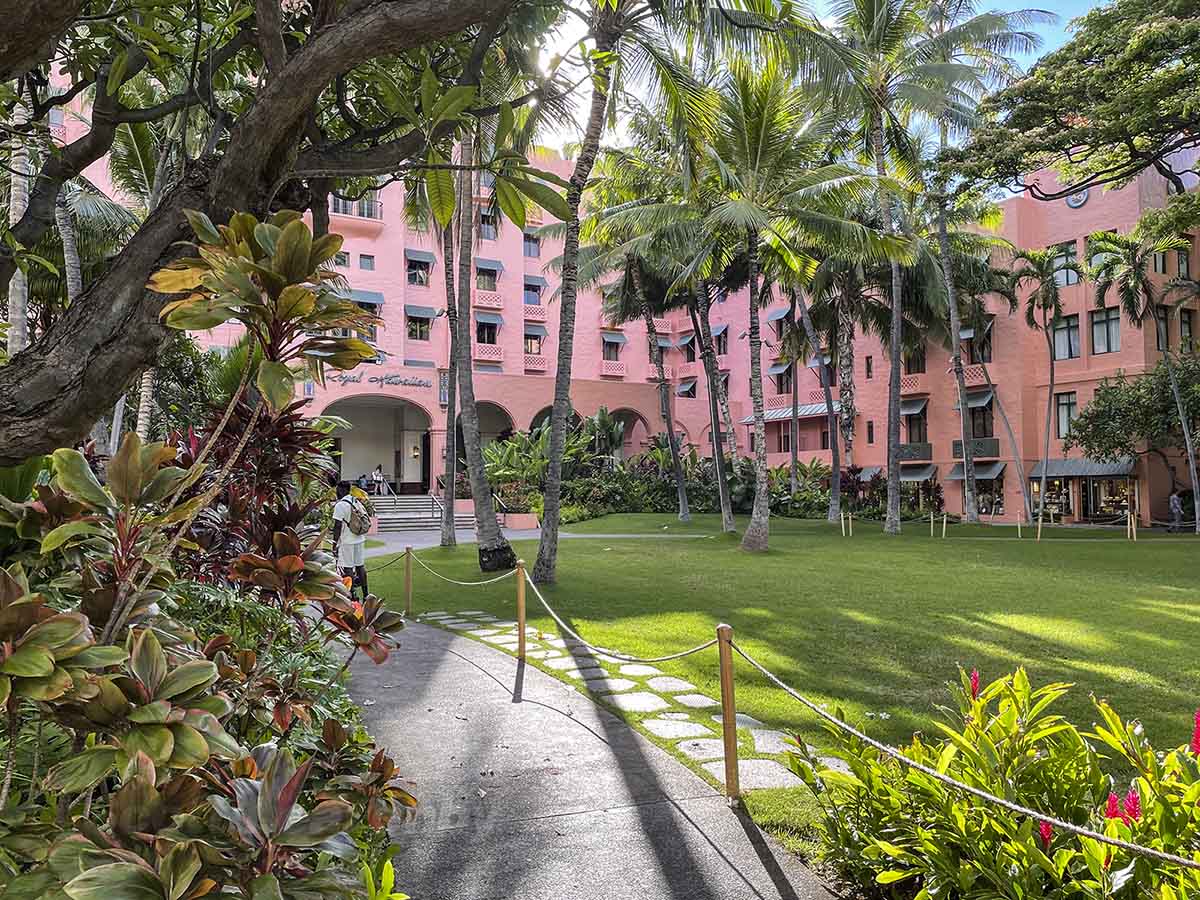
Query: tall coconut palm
[[1124, 262], [18, 200], [1041, 271]]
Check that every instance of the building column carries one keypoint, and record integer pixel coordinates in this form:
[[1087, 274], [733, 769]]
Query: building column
[[437, 458]]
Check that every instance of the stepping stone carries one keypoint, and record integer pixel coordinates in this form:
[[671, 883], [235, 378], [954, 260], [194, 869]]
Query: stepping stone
[[505, 623], [743, 721], [562, 663], [501, 638], [703, 748], [463, 626], [667, 684], [670, 728], [543, 654], [436, 614], [679, 717], [768, 741], [482, 632], [637, 670], [756, 774], [592, 672], [487, 618], [472, 612], [609, 685], [557, 642], [696, 701], [508, 645], [638, 701]]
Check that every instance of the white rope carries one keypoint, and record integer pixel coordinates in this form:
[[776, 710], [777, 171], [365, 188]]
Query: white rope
[[1137, 849], [633, 659], [507, 574]]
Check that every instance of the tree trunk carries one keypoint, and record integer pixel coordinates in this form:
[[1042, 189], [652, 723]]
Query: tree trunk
[[117, 426], [794, 424], [892, 520], [495, 554], [66, 229], [449, 538], [1012, 441], [1049, 413], [145, 404], [18, 200], [713, 378], [831, 418], [757, 536], [544, 571], [319, 188], [664, 397], [846, 392], [966, 426], [1189, 447]]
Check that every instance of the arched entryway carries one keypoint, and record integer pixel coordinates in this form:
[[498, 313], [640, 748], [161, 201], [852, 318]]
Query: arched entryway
[[637, 431], [543, 418], [384, 431], [495, 424]]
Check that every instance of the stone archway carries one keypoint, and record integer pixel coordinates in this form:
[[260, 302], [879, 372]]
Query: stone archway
[[637, 431], [384, 431]]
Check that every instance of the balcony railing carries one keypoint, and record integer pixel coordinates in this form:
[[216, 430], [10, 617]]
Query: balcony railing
[[535, 313], [919, 452], [688, 369], [489, 353], [663, 326], [818, 396], [983, 448], [488, 300], [535, 363], [779, 401], [914, 384], [361, 209], [973, 375], [613, 368]]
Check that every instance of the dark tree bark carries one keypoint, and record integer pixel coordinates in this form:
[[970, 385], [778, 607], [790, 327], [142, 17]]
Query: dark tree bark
[[700, 326], [831, 418], [757, 534], [31, 28], [449, 538]]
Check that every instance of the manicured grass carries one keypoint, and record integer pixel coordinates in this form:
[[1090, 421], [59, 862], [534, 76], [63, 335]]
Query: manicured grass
[[875, 624], [372, 544]]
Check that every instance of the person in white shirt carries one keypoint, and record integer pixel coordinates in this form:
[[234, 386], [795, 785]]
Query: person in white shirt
[[382, 488], [349, 546]]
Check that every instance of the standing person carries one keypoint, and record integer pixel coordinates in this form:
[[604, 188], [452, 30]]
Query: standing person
[[382, 488], [350, 526], [1176, 506]]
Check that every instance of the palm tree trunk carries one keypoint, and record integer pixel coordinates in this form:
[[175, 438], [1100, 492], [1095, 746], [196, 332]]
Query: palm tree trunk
[[118, 421], [794, 424], [713, 377], [722, 391], [835, 479], [449, 538], [145, 404], [892, 521], [664, 397], [757, 534], [1049, 414], [66, 228], [966, 426], [846, 393], [495, 554], [1012, 442], [18, 200], [545, 568], [1188, 445]]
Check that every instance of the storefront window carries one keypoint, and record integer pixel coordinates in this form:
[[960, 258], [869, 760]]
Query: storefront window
[[989, 496], [1058, 496], [1105, 498]]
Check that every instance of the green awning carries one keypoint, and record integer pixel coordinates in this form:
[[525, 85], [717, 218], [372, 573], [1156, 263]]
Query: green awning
[[684, 386], [489, 318], [1085, 468], [776, 314], [419, 312], [913, 407], [665, 342], [492, 264], [612, 337], [685, 340], [982, 470], [718, 330], [373, 297], [533, 329], [778, 368], [978, 399], [918, 473], [419, 256], [536, 279]]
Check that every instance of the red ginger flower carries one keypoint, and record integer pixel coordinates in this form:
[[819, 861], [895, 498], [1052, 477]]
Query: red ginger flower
[[1196, 734], [975, 687], [1047, 834], [1113, 809], [1133, 806]]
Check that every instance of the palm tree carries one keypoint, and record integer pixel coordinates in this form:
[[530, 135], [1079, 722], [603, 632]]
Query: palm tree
[[1124, 262], [18, 200], [1041, 270], [812, 343]]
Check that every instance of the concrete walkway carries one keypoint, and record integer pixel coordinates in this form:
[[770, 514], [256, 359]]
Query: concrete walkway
[[530, 791]]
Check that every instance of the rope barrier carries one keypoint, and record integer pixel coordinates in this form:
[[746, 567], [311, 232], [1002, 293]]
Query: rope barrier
[[979, 793], [632, 659], [435, 574]]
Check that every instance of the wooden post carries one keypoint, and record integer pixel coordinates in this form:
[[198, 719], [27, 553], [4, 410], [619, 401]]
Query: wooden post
[[1129, 524], [408, 582], [943, 526], [1041, 518], [851, 524], [521, 610], [728, 712], [931, 523], [842, 516], [1018, 526], [1133, 522]]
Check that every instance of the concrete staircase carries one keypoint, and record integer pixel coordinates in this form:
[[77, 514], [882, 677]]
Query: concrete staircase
[[414, 512]]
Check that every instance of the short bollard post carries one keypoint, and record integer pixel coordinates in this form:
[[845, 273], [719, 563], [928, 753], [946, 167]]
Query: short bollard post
[[843, 518], [1128, 525], [521, 610], [943, 526], [1018, 528], [1133, 522], [1041, 518], [408, 582], [728, 712], [851, 524], [931, 523]]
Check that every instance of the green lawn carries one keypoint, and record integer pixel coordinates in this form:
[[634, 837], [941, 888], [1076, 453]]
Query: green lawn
[[876, 624]]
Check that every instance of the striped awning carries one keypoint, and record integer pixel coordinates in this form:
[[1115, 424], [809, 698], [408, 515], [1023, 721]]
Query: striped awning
[[419, 312], [776, 314], [685, 340], [1085, 468], [779, 368], [684, 386], [913, 407], [612, 337], [533, 329], [985, 470], [803, 411], [665, 342], [921, 472], [978, 399], [493, 264], [489, 318], [536, 279], [718, 330], [419, 255]]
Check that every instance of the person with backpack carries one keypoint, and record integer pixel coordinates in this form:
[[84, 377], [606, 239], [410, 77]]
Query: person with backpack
[[351, 523]]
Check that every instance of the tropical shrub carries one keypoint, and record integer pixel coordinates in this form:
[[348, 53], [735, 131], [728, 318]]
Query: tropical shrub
[[885, 823]]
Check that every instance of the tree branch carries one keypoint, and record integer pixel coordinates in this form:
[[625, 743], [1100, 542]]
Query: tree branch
[[268, 21]]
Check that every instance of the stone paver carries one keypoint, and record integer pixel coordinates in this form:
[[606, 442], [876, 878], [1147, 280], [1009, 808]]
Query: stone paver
[[638, 670], [486, 618], [702, 748], [557, 642], [499, 638], [543, 654], [682, 717], [768, 741], [743, 721], [472, 612], [673, 728], [505, 623], [585, 673], [696, 701], [755, 774], [562, 663], [434, 614], [604, 685], [668, 685], [638, 701], [462, 626], [483, 632]]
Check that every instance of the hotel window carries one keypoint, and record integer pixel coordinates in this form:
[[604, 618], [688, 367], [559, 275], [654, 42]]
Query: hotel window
[[914, 363], [418, 272], [870, 432], [1182, 256], [979, 349], [1067, 408], [780, 326], [533, 294], [824, 438], [687, 390], [488, 227], [487, 179], [485, 332], [486, 279], [611, 351], [419, 328], [533, 246], [1162, 329], [1066, 338], [1065, 253], [1185, 330], [918, 428], [785, 437], [1160, 263], [341, 259], [533, 344], [689, 351], [57, 117], [371, 332], [870, 367], [366, 262], [783, 381], [982, 423], [1097, 258], [1106, 330], [722, 341]]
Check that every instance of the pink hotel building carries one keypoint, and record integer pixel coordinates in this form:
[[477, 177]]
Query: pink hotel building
[[397, 405]]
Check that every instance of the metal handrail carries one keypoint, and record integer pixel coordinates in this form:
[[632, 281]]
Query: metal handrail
[[500, 504]]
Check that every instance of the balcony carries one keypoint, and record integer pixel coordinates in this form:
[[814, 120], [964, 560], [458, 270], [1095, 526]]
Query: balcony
[[492, 353], [663, 326], [652, 373], [973, 375], [612, 368], [914, 384], [535, 363], [488, 300], [689, 369], [922, 452], [818, 396], [364, 216], [535, 313], [779, 401], [982, 448]]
